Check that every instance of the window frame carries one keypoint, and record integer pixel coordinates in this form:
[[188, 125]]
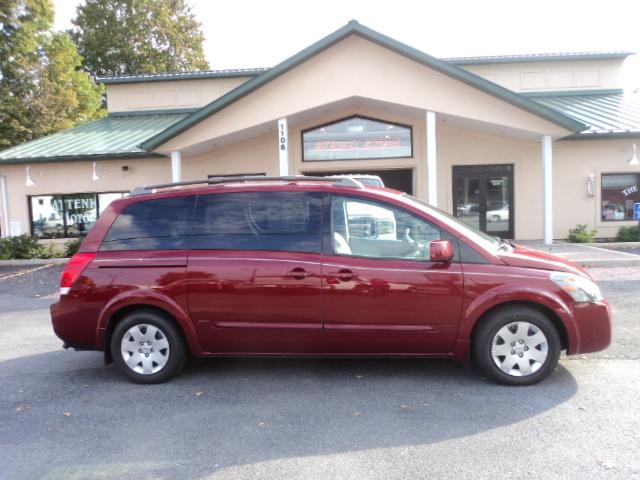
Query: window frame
[[327, 231], [364, 117], [64, 210], [603, 220]]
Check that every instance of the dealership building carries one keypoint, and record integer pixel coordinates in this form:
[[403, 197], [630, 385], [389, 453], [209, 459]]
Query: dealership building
[[523, 146]]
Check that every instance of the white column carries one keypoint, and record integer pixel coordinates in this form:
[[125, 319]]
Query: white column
[[432, 178], [283, 147], [5, 206], [547, 188], [176, 166]]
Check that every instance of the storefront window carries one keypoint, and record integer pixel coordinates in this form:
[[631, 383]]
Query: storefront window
[[64, 216], [356, 138], [619, 193]]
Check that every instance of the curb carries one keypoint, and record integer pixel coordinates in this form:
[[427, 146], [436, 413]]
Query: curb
[[608, 263], [615, 245], [33, 262]]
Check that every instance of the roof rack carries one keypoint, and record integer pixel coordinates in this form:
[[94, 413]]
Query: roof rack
[[340, 181]]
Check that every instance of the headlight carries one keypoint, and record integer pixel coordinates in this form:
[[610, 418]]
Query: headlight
[[580, 288]]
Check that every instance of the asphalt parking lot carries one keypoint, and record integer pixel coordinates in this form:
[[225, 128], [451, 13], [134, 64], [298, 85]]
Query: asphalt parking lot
[[64, 415]]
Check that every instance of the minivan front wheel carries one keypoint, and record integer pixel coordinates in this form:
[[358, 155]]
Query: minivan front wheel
[[147, 347], [516, 345]]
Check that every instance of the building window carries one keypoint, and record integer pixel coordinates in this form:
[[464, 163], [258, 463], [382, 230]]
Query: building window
[[356, 138], [66, 216], [619, 193]]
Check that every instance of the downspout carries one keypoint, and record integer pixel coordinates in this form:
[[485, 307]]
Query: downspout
[[5, 207]]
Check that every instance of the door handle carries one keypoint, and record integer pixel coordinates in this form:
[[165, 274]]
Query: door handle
[[344, 274], [297, 274]]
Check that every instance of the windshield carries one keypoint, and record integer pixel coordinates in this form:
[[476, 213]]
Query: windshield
[[481, 238]]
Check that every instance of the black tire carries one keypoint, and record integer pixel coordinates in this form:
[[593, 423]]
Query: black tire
[[489, 327], [174, 355]]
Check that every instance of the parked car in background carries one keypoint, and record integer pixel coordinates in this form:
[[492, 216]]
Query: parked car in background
[[366, 180], [498, 215], [316, 266]]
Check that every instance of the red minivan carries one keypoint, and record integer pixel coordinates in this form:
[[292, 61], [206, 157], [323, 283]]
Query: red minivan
[[316, 266]]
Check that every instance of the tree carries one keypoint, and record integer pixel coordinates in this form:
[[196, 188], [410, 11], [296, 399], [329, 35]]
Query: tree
[[119, 37], [67, 95], [42, 86], [23, 28]]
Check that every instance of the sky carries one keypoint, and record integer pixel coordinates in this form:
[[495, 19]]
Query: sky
[[248, 33]]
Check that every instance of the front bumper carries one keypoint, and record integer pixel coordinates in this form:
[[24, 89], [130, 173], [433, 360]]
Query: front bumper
[[593, 327]]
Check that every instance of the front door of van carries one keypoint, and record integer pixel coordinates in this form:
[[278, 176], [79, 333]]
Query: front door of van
[[381, 295], [254, 272]]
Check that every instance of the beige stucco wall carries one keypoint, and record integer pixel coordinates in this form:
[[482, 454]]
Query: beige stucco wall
[[256, 155], [171, 94], [574, 161], [356, 67], [557, 75], [75, 177]]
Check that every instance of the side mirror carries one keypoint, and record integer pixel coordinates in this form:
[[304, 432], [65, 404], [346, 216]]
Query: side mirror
[[440, 251]]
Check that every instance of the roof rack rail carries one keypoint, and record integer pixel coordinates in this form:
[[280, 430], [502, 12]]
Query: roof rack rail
[[341, 181]]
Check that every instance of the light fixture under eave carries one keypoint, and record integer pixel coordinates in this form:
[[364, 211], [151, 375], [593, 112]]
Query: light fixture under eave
[[29, 182], [634, 158], [94, 174]]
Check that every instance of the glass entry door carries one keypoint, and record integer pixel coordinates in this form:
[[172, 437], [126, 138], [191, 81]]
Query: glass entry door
[[483, 198]]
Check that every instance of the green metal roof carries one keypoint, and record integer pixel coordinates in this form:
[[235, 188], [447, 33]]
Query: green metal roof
[[539, 57], [354, 28], [115, 136], [606, 114], [192, 75]]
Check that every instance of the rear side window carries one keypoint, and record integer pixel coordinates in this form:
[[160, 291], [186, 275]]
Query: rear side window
[[288, 221], [161, 224]]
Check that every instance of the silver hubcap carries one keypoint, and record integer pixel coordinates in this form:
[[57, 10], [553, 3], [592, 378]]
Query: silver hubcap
[[145, 349], [519, 349]]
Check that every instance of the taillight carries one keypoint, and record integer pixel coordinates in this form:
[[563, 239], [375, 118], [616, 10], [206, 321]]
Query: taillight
[[73, 269]]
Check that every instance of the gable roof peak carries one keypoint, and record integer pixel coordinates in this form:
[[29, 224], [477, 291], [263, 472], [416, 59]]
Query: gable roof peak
[[353, 27]]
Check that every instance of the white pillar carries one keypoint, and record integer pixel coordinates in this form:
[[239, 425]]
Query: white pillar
[[432, 178], [5, 207], [283, 147], [176, 166], [547, 188]]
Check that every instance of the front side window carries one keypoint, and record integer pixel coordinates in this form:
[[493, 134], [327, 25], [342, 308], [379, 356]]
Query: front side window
[[286, 221], [369, 229], [69, 215], [356, 138], [161, 224], [619, 193]]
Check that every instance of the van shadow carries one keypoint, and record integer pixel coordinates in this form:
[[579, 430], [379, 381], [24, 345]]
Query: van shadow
[[229, 412]]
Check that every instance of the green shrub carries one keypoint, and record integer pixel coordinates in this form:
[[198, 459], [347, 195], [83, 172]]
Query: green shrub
[[25, 247], [49, 251], [580, 234], [72, 247], [21, 247], [628, 234]]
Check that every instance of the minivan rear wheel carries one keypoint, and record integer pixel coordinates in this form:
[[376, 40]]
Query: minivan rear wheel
[[516, 345], [147, 347]]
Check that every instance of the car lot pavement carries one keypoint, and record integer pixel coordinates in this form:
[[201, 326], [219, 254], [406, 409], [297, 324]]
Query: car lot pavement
[[64, 415]]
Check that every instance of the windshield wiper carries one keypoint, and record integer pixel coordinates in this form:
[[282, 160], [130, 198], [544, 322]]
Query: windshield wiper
[[504, 244]]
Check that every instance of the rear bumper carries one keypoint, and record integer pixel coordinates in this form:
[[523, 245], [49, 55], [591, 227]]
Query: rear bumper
[[73, 329], [593, 327]]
